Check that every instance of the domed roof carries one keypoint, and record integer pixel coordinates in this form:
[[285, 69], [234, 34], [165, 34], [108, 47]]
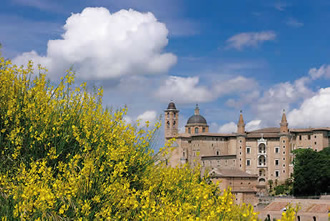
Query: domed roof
[[196, 118], [171, 106]]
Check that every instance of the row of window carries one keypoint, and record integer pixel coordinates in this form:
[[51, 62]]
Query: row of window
[[262, 162], [308, 137], [196, 130], [262, 150], [262, 173]]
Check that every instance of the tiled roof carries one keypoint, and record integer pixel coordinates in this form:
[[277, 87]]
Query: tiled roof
[[217, 172], [295, 130], [266, 130]]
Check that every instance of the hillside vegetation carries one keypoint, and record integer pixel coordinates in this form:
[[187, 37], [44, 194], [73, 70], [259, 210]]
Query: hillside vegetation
[[63, 156]]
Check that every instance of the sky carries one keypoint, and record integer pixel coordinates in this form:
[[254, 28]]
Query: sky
[[261, 57]]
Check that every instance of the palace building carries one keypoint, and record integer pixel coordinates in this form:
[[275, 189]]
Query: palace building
[[244, 160]]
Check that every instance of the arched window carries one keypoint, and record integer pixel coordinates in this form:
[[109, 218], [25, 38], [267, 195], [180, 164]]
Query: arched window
[[174, 123], [262, 161], [262, 148], [203, 129], [168, 124], [189, 131], [262, 180], [218, 152], [174, 114], [196, 130]]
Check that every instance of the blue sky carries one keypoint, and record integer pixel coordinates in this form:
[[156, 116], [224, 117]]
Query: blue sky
[[258, 56]]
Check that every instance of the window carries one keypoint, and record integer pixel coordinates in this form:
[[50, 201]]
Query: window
[[299, 137], [309, 137], [276, 162], [248, 162], [218, 152], [174, 115], [283, 165], [248, 150], [189, 131], [277, 149], [262, 148], [196, 130], [277, 173], [168, 124], [184, 154], [283, 141], [315, 143], [283, 152], [283, 147], [173, 123], [204, 130], [262, 161]]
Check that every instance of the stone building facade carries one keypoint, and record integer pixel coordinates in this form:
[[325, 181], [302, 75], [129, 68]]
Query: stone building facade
[[244, 160]]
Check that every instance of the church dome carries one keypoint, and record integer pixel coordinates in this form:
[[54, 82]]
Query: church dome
[[196, 119]]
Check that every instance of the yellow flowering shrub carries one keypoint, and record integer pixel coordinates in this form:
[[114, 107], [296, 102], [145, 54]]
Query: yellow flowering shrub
[[63, 156]]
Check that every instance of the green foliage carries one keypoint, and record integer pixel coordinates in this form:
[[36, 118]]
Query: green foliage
[[284, 189], [311, 172], [63, 156]]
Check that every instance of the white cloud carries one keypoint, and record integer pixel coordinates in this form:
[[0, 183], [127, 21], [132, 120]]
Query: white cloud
[[99, 45], [323, 71], [183, 90], [250, 39], [231, 127], [228, 128], [235, 85], [245, 98], [149, 115], [313, 111], [253, 125], [294, 23], [280, 97]]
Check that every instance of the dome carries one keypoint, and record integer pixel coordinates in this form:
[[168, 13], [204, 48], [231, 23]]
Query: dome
[[171, 106], [196, 119]]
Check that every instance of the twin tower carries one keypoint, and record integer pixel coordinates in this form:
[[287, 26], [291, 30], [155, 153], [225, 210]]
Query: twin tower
[[197, 124]]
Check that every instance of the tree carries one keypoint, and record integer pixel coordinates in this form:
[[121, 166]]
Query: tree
[[63, 156], [311, 172]]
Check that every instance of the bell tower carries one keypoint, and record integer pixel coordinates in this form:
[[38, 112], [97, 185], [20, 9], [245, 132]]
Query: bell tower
[[284, 147], [171, 121], [241, 143]]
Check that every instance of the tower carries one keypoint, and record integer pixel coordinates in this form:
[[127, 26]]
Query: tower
[[196, 124], [241, 124], [284, 148], [241, 144], [171, 121]]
